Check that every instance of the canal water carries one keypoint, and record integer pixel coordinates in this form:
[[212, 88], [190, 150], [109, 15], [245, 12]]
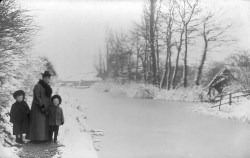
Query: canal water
[[145, 128]]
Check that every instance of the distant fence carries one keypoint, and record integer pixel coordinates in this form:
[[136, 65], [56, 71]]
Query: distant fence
[[230, 97]]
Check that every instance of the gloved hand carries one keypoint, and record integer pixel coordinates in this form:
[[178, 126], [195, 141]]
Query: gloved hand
[[43, 109]]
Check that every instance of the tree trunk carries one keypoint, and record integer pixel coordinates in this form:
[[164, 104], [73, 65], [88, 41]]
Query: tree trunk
[[146, 60], [137, 62], [203, 58], [157, 60], [163, 79], [169, 70], [116, 65], [169, 52], [144, 68], [163, 82], [107, 57], [129, 68], [152, 40], [184, 80], [177, 61]]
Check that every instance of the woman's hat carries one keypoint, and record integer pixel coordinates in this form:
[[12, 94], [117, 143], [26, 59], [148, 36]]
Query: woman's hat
[[18, 93], [56, 96], [46, 74]]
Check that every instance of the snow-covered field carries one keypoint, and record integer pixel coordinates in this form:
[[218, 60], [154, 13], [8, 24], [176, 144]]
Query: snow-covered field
[[240, 110], [74, 138]]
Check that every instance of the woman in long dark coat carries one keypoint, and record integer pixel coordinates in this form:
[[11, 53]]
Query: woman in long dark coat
[[41, 100]]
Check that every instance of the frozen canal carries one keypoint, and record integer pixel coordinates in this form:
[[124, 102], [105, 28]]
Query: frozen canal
[[143, 128]]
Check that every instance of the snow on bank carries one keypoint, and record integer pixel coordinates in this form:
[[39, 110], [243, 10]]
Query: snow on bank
[[237, 111], [77, 142], [140, 90], [194, 94], [8, 152], [133, 90]]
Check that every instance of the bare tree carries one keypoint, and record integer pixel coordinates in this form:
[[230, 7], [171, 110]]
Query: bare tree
[[142, 30], [100, 66], [187, 9], [153, 65], [137, 39], [169, 18], [179, 48], [213, 36]]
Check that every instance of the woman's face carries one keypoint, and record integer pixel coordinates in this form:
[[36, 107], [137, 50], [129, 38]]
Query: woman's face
[[56, 101], [46, 79], [19, 98]]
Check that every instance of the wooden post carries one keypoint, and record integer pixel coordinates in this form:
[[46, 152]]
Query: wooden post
[[230, 98], [220, 101]]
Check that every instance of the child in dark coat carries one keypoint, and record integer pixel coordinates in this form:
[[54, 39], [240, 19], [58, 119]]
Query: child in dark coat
[[19, 116], [56, 117]]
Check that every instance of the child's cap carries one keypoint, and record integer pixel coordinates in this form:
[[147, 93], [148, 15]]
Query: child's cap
[[56, 96], [18, 93]]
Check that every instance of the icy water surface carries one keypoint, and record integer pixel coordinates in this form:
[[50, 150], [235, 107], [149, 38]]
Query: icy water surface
[[143, 128]]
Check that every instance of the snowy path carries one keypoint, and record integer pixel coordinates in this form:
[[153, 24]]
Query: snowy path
[[77, 142], [73, 140], [140, 128]]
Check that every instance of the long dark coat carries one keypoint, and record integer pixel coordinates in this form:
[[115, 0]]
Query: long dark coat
[[56, 117], [19, 116], [38, 120]]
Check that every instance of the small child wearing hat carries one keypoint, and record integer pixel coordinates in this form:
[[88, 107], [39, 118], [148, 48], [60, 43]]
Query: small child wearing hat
[[19, 116], [56, 117]]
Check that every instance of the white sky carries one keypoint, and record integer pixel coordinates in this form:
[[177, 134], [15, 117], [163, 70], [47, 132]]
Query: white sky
[[74, 30]]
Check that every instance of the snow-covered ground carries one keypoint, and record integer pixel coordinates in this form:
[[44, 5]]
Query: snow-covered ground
[[74, 138], [239, 110], [8, 152], [133, 90], [236, 111], [77, 141], [141, 90]]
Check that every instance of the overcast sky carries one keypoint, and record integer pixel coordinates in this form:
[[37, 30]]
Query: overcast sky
[[73, 31]]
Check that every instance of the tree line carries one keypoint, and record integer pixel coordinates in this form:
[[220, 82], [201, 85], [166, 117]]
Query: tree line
[[157, 49], [20, 68]]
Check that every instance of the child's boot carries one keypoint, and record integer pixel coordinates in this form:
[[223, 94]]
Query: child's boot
[[50, 136], [55, 140], [21, 139], [55, 137], [17, 138]]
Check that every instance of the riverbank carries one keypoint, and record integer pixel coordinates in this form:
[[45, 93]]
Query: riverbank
[[141, 90], [74, 139], [237, 111]]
